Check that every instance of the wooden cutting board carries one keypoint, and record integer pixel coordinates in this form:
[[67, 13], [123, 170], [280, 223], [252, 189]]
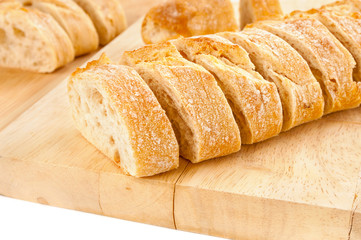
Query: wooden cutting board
[[304, 184]]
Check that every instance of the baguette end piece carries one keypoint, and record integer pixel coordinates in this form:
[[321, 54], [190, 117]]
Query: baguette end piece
[[116, 111], [176, 18]]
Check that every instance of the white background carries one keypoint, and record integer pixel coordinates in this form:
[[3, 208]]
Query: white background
[[25, 220]]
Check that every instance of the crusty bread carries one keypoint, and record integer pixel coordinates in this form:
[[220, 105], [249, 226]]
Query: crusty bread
[[175, 18], [116, 111], [108, 17], [343, 6], [32, 40], [330, 62], [72, 19], [257, 10], [255, 102], [278, 62], [199, 112], [344, 24]]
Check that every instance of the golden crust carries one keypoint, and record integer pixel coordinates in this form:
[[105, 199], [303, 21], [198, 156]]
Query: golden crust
[[175, 18], [256, 10], [103, 60], [329, 60], [343, 6], [195, 93], [154, 147], [277, 61], [255, 102], [219, 47], [72, 19], [344, 24], [150, 53]]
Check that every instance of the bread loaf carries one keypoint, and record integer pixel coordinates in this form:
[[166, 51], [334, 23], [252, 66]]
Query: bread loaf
[[32, 40], [330, 62], [255, 102], [72, 19], [257, 10], [175, 18], [107, 16], [116, 111], [278, 62], [199, 112]]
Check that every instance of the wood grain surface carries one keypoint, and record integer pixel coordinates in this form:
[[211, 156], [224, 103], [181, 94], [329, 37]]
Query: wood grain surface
[[303, 184]]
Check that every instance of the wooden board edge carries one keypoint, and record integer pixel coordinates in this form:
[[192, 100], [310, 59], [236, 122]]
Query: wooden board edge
[[102, 193], [235, 216], [49, 184]]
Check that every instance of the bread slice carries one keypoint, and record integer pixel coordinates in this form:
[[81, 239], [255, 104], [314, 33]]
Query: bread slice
[[198, 110], [344, 24], [116, 111], [255, 102], [278, 62], [175, 18], [108, 17], [343, 6], [256, 10], [32, 40], [72, 19], [329, 60]]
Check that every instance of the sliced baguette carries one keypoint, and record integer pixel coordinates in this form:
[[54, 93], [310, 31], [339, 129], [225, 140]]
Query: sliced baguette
[[108, 17], [255, 102], [175, 18], [330, 62], [199, 112], [116, 111], [344, 24], [32, 40], [256, 10], [278, 62], [72, 19], [343, 6]]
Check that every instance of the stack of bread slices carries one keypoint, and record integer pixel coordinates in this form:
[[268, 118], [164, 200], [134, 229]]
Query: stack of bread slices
[[201, 97], [43, 35]]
